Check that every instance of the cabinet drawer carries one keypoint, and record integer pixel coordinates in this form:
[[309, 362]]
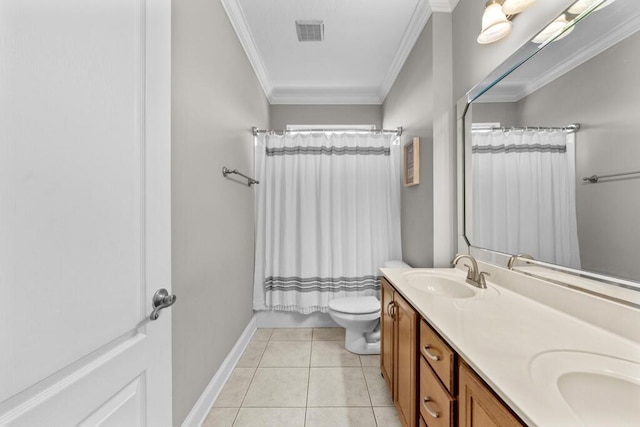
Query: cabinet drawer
[[439, 355], [436, 405]]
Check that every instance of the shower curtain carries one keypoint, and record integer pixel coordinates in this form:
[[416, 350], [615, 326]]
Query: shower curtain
[[523, 195], [328, 216]]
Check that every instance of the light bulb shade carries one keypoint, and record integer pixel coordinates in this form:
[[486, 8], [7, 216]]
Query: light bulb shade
[[513, 7], [581, 5], [495, 24], [553, 29]]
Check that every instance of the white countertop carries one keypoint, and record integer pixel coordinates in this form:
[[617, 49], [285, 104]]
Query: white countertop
[[499, 333]]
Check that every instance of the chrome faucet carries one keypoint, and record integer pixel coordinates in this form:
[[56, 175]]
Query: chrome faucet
[[475, 277]]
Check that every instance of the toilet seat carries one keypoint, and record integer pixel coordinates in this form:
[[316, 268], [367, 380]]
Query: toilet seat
[[355, 305]]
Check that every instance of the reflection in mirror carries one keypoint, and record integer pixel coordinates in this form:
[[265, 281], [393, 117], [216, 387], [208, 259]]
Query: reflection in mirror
[[525, 166]]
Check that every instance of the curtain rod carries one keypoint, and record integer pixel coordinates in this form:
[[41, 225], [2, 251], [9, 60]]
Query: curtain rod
[[572, 128], [397, 131]]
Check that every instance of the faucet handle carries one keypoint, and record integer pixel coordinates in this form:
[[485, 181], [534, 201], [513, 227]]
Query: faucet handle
[[470, 272], [481, 278]]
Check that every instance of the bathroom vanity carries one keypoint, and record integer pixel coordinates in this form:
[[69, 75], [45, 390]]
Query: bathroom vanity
[[456, 355], [414, 358]]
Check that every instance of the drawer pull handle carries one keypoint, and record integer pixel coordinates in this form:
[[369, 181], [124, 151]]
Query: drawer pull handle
[[429, 354], [434, 414]]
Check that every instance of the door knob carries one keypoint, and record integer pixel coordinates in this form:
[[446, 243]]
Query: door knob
[[161, 299]]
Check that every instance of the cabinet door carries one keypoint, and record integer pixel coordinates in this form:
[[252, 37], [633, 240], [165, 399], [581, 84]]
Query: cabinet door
[[406, 361], [477, 406], [386, 351]]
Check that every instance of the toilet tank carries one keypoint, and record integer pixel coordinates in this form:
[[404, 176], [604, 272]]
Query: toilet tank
[[395, 264]]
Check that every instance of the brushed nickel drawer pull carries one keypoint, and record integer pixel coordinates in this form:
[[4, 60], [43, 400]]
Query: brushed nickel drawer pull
[[429, 354], [434, 414]]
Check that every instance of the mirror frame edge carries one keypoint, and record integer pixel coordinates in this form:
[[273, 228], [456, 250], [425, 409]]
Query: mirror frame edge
[[463, 108]]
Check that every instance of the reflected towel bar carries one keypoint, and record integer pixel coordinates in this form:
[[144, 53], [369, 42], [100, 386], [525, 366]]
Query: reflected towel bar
[[595, 178], [250, 181]]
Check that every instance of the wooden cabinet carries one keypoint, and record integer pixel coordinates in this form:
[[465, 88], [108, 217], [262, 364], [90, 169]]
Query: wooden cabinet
[[439, 356], [437, 379], [398, 361], [386, 339], [406, 374], [430, 384], [478, 406]]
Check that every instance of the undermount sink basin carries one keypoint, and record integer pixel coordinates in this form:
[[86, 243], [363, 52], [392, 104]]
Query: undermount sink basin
[[599, 389], [440, 285]]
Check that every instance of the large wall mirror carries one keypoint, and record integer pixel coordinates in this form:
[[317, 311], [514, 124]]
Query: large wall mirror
[[551, 148]]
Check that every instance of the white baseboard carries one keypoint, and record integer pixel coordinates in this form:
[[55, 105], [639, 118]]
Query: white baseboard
[[289, 319], [204, 404]]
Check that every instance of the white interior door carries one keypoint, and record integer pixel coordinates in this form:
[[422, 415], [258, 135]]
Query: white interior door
[[84, 212]]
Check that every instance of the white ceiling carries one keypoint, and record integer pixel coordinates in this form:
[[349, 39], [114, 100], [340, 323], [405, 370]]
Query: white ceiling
[[366, 42]]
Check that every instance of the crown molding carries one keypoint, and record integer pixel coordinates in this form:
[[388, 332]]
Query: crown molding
[[443, 5], [324, 95], [240, 26], [419, 19]]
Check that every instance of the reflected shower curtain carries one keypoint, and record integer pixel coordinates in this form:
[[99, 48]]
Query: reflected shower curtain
[[523, 196], [328, 216]]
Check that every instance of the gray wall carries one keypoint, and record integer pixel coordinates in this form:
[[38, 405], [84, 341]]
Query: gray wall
[[408, 105], [602, 95], [504, 113], [420, 100], [283, 115], [216, 100]]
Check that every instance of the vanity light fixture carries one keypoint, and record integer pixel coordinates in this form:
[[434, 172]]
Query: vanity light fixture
[[497, 16], [581, 5], [556, 27], [513, 7], [562, 26]]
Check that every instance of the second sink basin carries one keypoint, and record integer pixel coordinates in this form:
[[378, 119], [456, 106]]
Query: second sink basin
[[600, 390], [439, 284]]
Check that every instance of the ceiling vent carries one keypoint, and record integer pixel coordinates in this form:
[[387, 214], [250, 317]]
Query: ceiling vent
[[310, 31]]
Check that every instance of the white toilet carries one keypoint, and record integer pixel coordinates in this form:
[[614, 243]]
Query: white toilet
[[360, 316]]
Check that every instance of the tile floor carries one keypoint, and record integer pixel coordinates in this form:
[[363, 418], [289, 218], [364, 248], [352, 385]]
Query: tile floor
[[303, 378]]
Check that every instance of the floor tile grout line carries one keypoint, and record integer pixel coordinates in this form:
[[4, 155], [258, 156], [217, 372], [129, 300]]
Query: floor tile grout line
[[366, 382], [306, 402], [309, 367], [252, 377]]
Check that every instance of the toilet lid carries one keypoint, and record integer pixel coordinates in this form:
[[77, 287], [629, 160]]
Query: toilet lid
[[355, 305]]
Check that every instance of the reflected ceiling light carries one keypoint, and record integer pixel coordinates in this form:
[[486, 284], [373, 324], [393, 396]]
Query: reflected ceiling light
[[495, 24], [497, 16], [552, 29], [513, 7], [581, 5]]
